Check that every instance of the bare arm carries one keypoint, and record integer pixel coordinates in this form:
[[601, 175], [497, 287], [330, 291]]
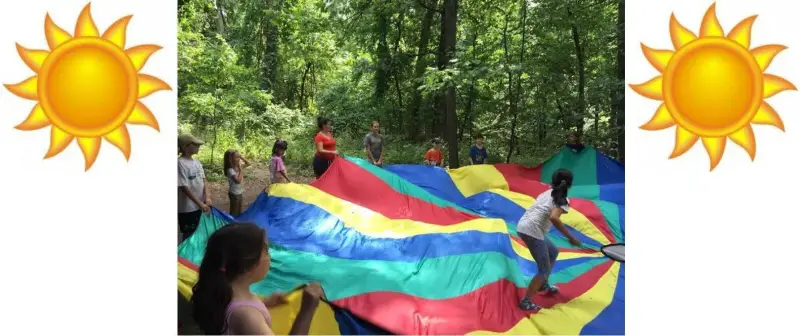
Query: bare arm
[[369, 153], [302, 323], [555, 218], [205, 190], [238, 175], [283, 172]]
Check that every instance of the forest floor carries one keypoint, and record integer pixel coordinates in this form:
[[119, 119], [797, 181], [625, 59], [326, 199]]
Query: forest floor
[[256, 178]]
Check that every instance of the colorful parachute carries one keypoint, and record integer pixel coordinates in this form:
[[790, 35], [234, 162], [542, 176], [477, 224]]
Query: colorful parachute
[[421, 250]]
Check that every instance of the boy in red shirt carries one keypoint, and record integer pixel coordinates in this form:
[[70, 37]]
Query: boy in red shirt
[[434, 155]]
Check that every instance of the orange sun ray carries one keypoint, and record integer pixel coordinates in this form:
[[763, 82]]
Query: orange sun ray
[[774, 85], [90, 148], [765, 54], [117, 32], [37, 119], [140, 54], [710, 26], [142, 115], [715, 148], [657, 58], [59, 140], [85, 26], [149, 84], [679, 34], [766, 115], [684, 140], [661, 120], [651, 89], [54, 34], [741, 32], [745, 139], [121, 139], [32, 58], [27, 89], [712, 71]]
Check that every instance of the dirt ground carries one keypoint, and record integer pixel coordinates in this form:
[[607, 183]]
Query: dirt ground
[[256, 178]]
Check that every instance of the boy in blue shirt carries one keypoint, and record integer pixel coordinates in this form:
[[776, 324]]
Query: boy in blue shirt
[[478, 154]]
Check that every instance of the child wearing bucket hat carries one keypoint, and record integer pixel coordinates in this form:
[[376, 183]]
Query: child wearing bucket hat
[[193, 196]]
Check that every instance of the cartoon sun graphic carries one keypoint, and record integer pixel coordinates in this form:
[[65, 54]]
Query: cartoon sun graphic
[[87, 87], [712, 87]]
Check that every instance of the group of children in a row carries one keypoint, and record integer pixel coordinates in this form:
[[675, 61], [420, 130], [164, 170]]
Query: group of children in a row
[[477, 153], [193, 195], [194, 198]]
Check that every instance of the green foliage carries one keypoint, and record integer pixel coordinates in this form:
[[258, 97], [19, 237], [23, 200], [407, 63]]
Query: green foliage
[[253, 71]]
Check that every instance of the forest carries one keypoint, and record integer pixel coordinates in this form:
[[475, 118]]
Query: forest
[[522, 73]]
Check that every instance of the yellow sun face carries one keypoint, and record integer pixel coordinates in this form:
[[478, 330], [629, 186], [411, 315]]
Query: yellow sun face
[[712, 87], [88, 87]]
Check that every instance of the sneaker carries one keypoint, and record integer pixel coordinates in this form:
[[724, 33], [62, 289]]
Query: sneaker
[[549, 289], [527, 304]]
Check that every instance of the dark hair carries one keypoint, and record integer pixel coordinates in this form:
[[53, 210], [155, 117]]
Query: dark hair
[[279, 144], [375, 122], [478, 136], [562, 181], [322, 121], [228, 160], [231, 251]]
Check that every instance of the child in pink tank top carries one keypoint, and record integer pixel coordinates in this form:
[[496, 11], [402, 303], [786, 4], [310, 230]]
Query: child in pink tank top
[[237, 256]]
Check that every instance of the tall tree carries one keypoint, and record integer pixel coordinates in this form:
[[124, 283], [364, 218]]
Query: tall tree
[[413, 113], [447, 48]]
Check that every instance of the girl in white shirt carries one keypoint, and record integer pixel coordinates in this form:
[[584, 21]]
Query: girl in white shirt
[[233, 170], [533, 228]]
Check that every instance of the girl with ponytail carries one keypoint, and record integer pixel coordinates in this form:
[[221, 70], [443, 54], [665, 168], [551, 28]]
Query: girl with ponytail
[[237, 256], [533, 228]]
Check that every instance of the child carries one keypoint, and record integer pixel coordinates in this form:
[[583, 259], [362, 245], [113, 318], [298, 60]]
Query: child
[[233, 169], [373, 144], [277, 171], [434, 155], [237, 256], [533, 228], [478, 154], [193, 196]]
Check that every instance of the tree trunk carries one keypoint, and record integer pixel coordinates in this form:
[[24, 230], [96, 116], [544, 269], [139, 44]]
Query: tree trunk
[[220, 18], [412, 113], [512, 142], [382, 66], [303, 87], [448, 46], [269, 68], [618, 104], [580, 110]]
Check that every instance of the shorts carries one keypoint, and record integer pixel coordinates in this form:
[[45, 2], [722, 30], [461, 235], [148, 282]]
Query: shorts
[[188, 222], [544, 252], [236, 204], [320, 165]]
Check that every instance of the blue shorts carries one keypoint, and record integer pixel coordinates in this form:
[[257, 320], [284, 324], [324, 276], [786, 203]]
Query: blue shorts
[[544, 253]]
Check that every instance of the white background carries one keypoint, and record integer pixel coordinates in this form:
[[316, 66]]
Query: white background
[[90, 252], [711, 252], [94, 252]]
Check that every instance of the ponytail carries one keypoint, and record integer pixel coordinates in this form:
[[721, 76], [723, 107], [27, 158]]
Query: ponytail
[[210, 298], [561, 182], [559, 194]]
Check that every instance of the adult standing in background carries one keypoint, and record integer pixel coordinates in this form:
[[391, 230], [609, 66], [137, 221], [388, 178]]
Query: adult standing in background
[[326, 146], [574, 141], [373, 144]]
